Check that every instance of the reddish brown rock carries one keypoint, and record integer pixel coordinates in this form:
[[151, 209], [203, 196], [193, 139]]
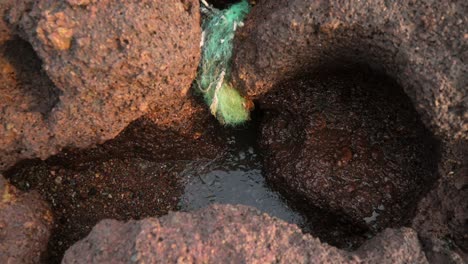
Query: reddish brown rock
[[28, 96], [150, 138], [229, 234], [350, 143], [82, 194], [392, 246], [25, 223], [422, 45], [112, 61], [5, 30], [135, 175]]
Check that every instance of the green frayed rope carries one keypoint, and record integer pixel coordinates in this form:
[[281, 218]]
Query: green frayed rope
[[214, 73]]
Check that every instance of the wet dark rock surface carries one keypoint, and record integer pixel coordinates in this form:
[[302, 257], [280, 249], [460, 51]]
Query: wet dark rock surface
[[345, 147], [136, 175], [235, 176], [230, 234], [148, 171], [147, 138], [420, 44], [112, 61], [25, 225], [349, 143], [116, 188]]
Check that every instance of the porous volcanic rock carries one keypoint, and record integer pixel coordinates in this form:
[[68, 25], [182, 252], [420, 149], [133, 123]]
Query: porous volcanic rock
[[5, 30], [442, 215], [25, 223], [392, 246], [112, 61], [422, 45], [229, 234], [147, 138], [350, 143], [135, 175], [27, 96]]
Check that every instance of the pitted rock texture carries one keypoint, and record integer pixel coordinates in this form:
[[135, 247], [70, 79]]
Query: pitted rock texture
[[421, 44], [28, 95], [229, 234], [135, 175], [113, 61], [392, 246], [5, 30], [149, 139], [442, 215], [25, 224], [349, 143]]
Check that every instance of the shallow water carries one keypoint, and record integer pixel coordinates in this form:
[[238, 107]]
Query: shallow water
[[235, 177]]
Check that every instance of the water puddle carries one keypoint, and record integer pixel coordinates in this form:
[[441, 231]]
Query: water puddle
[[235, 177]]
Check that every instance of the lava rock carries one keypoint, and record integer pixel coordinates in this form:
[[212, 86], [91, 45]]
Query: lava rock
[[422, 45], [112, 62], [5, 30], [442, 215], [25, 225], [137, 174], [349, 143], [392, 246], [28, 95], [148, 138], [229, 234]]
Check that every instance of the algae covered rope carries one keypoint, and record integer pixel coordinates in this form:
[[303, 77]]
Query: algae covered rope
[[214, 73]]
